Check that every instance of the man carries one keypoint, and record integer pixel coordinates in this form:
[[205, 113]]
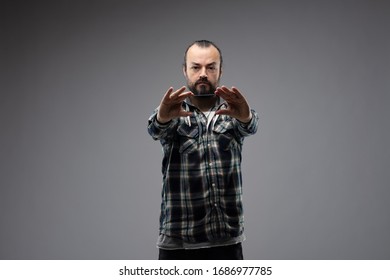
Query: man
[[202, 132]]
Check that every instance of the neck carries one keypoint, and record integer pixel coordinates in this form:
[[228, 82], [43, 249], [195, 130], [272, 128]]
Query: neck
[[204, 103]]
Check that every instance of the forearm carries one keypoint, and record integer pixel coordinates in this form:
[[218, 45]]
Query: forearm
[[250, 126], [159, 130]]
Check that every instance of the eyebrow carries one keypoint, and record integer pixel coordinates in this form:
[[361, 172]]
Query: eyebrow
[[210, 64]]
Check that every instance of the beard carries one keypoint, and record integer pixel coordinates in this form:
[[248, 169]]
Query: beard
[[202, 88]]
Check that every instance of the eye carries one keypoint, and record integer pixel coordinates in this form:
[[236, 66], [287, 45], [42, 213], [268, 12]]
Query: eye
[[195, 67]]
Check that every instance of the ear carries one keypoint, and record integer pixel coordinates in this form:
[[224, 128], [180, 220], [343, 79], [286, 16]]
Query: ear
[[184, 70]]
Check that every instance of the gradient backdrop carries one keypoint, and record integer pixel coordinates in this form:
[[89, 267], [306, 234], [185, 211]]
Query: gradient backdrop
[[80, 176]]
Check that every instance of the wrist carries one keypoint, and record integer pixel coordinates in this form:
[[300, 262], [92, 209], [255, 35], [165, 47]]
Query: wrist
[[246, 120], [162, 121]]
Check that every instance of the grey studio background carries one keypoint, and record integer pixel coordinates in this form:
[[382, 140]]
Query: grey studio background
[[80, 177]]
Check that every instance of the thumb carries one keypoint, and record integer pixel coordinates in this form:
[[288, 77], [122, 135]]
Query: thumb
[[185, 114], [223, 112]]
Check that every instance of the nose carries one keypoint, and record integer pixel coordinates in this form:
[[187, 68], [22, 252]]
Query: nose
[[203, 73], [203, 77]]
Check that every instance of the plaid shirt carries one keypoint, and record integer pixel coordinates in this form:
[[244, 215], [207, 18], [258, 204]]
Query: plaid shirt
[[201, 166]]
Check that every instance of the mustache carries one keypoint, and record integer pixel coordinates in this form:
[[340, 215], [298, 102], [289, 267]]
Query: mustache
[[203, 81]]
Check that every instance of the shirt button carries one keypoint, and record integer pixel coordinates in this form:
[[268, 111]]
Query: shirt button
[[208, 145], [210, 164], [215, 204], [213, 184]]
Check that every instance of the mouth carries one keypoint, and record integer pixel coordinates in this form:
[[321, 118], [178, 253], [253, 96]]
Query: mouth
[[204, 89]]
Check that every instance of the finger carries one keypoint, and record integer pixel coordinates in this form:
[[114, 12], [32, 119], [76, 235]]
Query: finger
[[184, 113], [167, 94], [181, 97], [233, 93], [221, 91], [184, 95], [237, 93], [225, 93], [177, 92], [223, 112], [226, 90]]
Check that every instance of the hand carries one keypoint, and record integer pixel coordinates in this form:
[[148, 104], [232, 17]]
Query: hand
[[170, 106], [237, 106]]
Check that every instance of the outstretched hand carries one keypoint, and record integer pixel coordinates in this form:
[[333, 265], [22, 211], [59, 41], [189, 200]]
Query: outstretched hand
[[237, 106], [170, 106]]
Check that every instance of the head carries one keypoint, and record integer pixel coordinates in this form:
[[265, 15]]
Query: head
[[202, 68]]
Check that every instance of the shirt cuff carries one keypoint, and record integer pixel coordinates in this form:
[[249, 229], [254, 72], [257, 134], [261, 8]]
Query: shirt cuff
[[162, 125]]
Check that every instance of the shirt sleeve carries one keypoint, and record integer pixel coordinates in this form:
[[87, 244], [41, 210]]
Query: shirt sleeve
[[160, 131], [246, 129]]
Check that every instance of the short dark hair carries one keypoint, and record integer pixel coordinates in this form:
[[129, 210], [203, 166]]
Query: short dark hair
[[203, 44]]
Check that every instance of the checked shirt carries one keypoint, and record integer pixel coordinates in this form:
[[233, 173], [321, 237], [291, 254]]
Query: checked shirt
[[201, 167]]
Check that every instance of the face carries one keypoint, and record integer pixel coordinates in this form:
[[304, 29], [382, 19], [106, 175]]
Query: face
[[202, 70]]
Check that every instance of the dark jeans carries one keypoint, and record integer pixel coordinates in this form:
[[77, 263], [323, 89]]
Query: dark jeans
[[230, 252]]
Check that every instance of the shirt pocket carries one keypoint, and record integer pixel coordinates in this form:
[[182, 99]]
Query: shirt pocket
[[188, 138], [224, 134]]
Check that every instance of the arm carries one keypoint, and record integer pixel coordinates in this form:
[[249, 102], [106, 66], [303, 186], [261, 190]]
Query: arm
[[164, 118], [158, 130], [246, 129], [238, 108]]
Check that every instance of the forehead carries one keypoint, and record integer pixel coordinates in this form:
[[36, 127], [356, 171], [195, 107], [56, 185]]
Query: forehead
[[201, 55]]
